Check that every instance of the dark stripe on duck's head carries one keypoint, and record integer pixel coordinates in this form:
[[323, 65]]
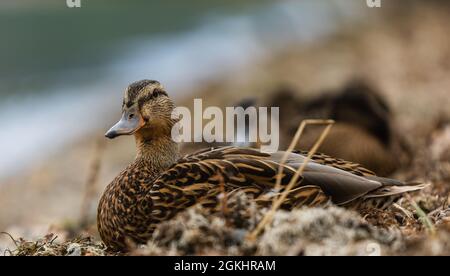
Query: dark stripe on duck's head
[[147, 89], [150, 96]]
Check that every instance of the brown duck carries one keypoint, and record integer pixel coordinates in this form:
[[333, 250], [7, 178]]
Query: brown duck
[[365, 131], [159, 184]]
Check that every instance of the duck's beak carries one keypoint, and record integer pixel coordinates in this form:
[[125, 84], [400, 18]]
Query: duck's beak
[[128, 124]]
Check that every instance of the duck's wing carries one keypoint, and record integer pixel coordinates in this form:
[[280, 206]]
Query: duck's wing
[[192, 179], [342, 181], [346, 182], [341, 164], [198, 179], [231, 166]]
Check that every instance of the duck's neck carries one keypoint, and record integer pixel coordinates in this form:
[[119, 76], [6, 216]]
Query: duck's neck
[[157, 151]]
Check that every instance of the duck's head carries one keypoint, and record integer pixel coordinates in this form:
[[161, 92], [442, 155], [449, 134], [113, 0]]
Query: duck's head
[[146, 110]]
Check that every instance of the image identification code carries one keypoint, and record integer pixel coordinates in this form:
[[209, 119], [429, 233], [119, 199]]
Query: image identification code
[[226, 266]]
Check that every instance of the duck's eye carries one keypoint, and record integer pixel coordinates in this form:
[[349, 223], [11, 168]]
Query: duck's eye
[[131, 116]]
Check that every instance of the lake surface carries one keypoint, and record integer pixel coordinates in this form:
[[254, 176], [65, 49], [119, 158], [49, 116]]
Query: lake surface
[[64, 70]]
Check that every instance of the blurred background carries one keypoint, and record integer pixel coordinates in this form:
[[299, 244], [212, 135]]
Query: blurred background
[[63, 68], [63, 72]]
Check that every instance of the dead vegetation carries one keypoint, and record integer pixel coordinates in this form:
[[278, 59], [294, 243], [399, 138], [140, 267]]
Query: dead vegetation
[[49, 246], [309, 231]]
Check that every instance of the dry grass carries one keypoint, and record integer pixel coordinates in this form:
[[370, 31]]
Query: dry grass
[[90, 193], [278, 201], [48, 246]]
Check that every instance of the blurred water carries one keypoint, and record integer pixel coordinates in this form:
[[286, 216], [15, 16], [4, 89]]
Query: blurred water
[[36, 124]]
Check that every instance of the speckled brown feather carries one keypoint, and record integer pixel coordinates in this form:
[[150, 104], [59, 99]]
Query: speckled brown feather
[[341, 164]]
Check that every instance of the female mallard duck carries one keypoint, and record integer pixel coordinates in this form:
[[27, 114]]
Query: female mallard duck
[[363, 119], [158, 185]]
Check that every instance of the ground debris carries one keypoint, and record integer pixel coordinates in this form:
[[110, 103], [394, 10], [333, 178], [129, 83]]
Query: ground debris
[[320, 231], [49, 246]]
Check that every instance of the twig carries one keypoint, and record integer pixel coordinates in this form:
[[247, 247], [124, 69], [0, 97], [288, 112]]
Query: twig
[[403, 210], [53, 239], [11, 237], [91, 182], [277, 203], [7, 250], [293, 144], [423, 217]]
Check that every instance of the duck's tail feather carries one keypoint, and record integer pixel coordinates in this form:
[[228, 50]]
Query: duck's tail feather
[[392, 190], [386, 181]]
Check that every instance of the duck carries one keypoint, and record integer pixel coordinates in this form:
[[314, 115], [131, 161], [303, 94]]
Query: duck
[[160, 183], [364, 120]]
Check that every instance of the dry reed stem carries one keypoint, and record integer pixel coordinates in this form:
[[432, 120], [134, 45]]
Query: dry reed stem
[[90, 188], [11, 237], [403, 210], [277, 202], [293, 143]]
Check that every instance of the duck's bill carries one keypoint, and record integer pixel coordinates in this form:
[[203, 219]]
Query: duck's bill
[[128, 124]]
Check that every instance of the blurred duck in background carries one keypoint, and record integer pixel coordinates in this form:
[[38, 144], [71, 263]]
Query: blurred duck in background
[[364, 132]]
